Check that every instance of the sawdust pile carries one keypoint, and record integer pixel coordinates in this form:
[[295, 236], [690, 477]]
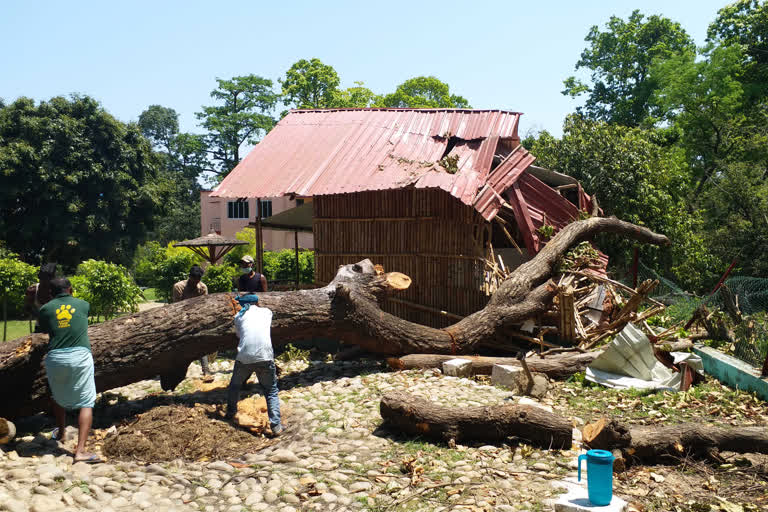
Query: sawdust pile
[[192, 433]]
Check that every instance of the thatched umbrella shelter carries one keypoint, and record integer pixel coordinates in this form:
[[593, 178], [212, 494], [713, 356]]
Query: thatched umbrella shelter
[[212, 247]]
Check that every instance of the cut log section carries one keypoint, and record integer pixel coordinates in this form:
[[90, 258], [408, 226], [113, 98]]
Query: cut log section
[[555, 366], [164, 341], [670, 443], [7, 431], [493, 424]]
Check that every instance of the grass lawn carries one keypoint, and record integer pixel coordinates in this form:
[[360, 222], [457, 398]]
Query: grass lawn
[[150, 295], [17, 329]]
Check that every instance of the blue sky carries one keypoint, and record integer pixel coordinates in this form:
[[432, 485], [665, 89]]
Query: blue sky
[[128, 55]]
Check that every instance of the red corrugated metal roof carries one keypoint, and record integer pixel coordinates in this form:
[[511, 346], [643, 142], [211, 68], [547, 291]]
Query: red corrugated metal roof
[[320, 152]]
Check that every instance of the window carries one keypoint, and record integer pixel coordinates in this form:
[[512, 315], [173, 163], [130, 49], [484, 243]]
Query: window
[[266, 208], [299, 202], [237, 209]]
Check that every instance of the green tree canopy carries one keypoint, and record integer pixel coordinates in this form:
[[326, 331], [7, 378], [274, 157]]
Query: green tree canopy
[[703, 100], [185, 159], [423, 92], [744, 23], [242, 116], [310, 84], [619, 60], [160, 125], [76, 182], [357, 96], [108, 288], [638, 179]]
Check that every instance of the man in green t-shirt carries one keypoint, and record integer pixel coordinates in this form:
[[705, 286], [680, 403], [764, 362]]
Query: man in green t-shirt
[[69, 363]]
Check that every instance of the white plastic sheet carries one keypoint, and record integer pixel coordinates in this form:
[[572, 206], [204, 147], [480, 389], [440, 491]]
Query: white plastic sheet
[[628, 362]]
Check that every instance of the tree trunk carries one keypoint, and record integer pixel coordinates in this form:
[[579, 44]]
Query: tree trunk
[[163, 341], [407, 413], [555, 366], [670, 443]]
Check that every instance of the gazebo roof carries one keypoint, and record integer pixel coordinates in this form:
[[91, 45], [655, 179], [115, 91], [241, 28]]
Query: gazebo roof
[[210, 239], [206, 246]]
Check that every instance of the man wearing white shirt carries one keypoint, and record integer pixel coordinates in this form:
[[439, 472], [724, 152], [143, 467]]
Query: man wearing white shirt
[[255, 355]]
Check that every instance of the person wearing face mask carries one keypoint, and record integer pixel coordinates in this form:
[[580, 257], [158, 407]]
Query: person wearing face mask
[[250, 281]]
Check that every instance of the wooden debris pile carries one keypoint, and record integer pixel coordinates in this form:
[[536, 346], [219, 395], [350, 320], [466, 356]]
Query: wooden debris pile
[[589, 307]]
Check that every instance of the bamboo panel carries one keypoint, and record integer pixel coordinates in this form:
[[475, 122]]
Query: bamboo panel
[[426, 234]]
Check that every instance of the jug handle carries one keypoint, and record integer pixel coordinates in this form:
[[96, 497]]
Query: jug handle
[[581, 457]]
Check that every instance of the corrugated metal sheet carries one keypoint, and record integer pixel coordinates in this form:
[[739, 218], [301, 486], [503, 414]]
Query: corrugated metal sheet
[[320, 152]]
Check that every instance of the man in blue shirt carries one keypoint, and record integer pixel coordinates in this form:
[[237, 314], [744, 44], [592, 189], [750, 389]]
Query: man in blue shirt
[[255, 355]]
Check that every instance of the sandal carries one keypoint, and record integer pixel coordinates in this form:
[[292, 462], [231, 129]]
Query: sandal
[[91, 459]]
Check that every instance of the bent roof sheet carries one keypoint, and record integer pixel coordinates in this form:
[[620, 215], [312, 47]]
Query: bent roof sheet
[[320, 152]]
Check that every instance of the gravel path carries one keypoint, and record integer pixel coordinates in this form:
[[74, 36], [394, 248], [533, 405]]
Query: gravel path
[[334, 457]]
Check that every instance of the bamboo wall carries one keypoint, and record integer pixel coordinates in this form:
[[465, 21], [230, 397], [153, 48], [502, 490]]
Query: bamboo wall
[[424, 233]]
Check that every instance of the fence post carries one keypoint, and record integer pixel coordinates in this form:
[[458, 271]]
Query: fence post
[[722, 279]]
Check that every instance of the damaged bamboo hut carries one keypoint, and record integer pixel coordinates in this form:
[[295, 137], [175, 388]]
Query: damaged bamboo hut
[[448, 197]]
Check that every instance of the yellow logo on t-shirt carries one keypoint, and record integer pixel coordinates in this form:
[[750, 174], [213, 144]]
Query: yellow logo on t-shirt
[[64, 315]]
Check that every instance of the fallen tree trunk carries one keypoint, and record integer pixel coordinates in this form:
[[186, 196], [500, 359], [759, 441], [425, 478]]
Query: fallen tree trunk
[[555, 366], [407, 413], [670, 443], [163, 341]]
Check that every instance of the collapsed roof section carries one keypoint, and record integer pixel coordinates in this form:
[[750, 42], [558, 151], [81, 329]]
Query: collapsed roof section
[[474, 155]]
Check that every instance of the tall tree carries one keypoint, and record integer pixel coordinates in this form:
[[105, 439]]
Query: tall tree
[[184, 158], [357, 96], [75, 183], [703, 100], [423, 92], [310, 84], [244, 115], [635, 175], [619, 60], [744, 23], [160, 125]]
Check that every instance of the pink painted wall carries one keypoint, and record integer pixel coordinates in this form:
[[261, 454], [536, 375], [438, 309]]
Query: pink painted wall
[[214, 217]]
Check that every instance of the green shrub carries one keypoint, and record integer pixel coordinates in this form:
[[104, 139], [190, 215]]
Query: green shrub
[[220, 278], [281, 265], [278, 265], [247, 235], [173, 269], [151, 265], [15, 278], [292, 353], [108, 288], [146, 261]]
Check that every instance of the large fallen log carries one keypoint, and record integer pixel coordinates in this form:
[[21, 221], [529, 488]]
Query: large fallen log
[[671, 443], [555, 366], [533, 425], [165, 340]]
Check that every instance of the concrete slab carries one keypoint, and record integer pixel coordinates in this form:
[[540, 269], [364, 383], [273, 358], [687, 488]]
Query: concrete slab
[[576, 500], [458, 368], [504, 375], [732, 372]]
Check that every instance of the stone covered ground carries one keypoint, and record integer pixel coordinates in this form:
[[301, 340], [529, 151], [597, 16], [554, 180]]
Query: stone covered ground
[[336, 457]]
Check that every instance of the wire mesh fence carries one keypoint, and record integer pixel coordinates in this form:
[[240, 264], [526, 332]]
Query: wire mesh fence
[[749, 294]]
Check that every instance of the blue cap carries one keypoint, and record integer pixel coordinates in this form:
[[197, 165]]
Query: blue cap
[[251, 298]]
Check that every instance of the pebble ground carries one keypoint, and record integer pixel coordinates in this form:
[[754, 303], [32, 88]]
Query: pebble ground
[[334, 458]]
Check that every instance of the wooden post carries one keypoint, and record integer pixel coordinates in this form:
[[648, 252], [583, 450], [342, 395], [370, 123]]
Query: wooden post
[[259, 239], [722, 279], [296, 249], [567, 325], [635, 259]]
